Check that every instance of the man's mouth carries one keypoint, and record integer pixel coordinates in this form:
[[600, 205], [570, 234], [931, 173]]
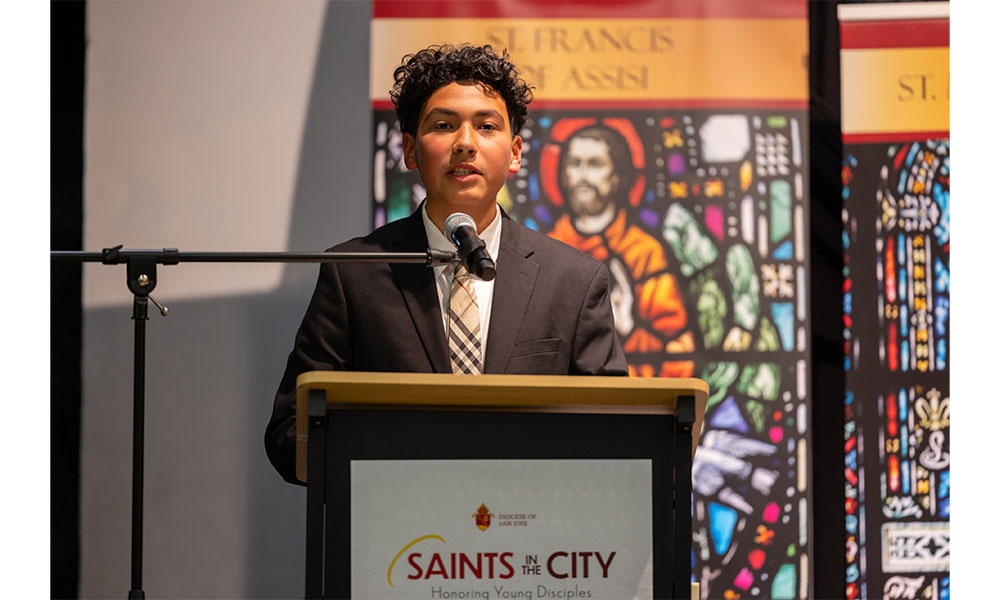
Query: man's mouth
[[460, 171]]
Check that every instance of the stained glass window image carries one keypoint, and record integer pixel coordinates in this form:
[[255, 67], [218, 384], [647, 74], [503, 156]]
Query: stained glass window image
[[896, 237], [702, 219]]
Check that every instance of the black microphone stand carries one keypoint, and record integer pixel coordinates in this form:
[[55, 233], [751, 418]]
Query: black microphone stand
[[141, 280]]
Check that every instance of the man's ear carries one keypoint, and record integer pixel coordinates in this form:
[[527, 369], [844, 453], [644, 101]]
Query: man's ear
[[515, 155], [409, 151]]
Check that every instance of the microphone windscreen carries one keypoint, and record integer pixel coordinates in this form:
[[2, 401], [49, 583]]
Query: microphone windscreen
[[454, 221]]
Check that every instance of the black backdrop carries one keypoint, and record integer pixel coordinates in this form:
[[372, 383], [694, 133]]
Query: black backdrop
[[67, 87]]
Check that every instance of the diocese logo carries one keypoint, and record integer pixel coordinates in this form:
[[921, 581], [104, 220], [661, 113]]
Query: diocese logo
[[482, 516]]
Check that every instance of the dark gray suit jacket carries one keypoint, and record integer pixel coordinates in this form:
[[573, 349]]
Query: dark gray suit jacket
[[551, 315]]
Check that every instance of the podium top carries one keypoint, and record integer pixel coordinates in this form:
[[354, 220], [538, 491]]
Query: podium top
[[507, 393]]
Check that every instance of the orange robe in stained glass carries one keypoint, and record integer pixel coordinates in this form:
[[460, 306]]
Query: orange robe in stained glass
[[661, 321]]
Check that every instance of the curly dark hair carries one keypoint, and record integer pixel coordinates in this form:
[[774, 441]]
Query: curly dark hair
[[422, 73]]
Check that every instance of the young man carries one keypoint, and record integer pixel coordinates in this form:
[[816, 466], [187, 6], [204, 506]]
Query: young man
[[547, 311]]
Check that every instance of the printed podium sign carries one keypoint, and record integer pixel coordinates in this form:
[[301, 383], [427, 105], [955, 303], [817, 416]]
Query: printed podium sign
[[463, 529]]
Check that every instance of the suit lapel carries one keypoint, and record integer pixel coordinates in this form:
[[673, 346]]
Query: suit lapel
[[420, 293], [514, 282]]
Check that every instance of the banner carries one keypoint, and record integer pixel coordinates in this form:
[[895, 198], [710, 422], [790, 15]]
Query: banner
[[705, 105], [896, 191]]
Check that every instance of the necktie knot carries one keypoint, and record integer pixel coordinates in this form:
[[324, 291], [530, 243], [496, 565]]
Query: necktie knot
[[464, 342], [460, 273]]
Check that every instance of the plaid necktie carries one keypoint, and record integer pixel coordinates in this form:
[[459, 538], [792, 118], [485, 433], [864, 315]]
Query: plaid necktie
[[463, 325]]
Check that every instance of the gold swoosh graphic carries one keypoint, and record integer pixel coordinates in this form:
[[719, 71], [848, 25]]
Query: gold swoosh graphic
[[388, 574]]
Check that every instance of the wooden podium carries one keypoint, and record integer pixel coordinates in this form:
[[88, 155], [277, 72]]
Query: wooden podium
[[392, 416]]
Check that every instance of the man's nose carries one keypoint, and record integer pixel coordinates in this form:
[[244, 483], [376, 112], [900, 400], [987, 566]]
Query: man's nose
[[590, 175], [465, 139]]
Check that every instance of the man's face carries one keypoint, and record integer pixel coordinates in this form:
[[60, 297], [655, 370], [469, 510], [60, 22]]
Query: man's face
[[463, 151], [588, 176]]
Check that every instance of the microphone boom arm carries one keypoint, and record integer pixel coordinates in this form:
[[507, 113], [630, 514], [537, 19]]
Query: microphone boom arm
[[172, 256]]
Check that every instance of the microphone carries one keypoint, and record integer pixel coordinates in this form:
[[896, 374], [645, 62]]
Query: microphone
[[461, 230]]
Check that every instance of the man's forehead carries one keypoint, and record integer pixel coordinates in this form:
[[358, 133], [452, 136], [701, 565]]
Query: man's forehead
[[457, 97]]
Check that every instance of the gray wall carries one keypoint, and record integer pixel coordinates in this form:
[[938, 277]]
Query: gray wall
[[210, 126]]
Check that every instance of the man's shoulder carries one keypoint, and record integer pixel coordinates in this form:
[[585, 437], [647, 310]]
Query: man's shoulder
[[547, 246]]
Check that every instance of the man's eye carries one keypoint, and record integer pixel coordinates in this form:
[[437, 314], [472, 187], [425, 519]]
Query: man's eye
[[488, 126], [442, 125]]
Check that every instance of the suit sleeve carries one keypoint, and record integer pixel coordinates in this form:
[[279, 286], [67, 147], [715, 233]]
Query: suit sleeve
[[321, 344], [596, 347]]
